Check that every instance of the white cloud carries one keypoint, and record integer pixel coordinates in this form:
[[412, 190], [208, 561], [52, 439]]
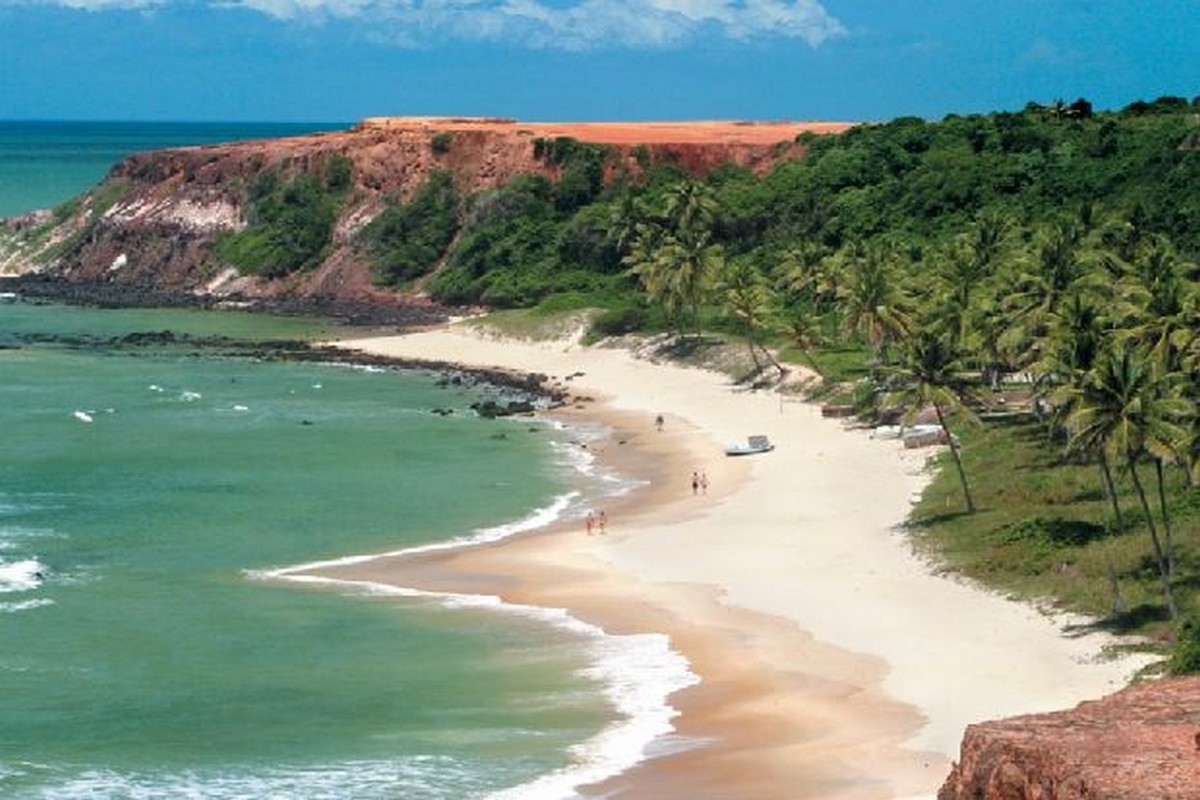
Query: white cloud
[[549, 24], [89, 5]]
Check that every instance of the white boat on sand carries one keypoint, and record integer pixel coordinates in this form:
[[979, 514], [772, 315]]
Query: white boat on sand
[[753, 445]]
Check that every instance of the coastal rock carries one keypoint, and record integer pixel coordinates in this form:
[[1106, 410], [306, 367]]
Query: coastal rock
[[151, 227], [1142, 742]]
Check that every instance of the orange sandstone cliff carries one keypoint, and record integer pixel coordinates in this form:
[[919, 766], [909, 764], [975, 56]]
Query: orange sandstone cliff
[[173, 204], [1141, 743]]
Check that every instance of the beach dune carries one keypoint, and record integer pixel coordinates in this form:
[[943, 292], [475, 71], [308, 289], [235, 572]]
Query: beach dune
[[834, 662]]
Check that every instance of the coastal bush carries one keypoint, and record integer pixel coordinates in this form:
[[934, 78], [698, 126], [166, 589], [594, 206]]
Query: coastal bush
[[1185, 660], [441, 141], [406, 239], [289, 223]]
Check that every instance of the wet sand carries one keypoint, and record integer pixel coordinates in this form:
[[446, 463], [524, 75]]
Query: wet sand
[[833, 662]]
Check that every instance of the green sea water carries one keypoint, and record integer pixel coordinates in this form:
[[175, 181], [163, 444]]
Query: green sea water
[[43, 164], [144, 494], [151, 499]]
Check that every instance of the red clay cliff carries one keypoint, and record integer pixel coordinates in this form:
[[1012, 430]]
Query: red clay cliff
[[1142, 743], [175, 203]]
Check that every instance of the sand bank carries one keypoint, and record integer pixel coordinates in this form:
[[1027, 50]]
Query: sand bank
[[834, 662]]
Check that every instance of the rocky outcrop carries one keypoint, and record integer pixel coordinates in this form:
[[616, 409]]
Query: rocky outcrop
[[1142, 743], [154, 221]]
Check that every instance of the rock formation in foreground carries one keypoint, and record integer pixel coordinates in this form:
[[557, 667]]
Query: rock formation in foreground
[[1142, 743]]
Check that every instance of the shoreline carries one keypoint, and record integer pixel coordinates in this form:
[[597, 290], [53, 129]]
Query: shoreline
[[827, 665]]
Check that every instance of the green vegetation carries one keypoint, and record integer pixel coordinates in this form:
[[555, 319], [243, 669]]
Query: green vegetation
[[1027, 278], [290, 222], [407, 239], [441, 141]]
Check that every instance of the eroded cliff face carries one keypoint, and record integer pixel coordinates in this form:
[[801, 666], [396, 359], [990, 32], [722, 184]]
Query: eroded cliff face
[[1142, 743], [155, 219]]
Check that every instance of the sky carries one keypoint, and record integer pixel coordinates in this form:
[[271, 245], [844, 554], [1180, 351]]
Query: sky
[[559, 60]]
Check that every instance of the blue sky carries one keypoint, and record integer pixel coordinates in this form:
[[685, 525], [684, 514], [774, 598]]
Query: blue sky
[[341, 60]]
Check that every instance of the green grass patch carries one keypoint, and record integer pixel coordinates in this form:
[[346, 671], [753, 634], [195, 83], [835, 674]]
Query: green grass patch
[[1045, 530]]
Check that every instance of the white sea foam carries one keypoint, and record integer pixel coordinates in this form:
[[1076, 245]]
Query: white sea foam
[[639, 672], [189, 396], [82, 416], [25, 605], [538, 519], [578, 452], [21, 576], [425, 776]]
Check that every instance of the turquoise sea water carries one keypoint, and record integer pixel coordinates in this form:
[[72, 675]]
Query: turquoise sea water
[[43, 164], [144, 494], [152, 644]]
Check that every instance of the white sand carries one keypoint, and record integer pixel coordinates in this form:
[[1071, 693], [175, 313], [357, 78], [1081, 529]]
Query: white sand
[[812, 538]]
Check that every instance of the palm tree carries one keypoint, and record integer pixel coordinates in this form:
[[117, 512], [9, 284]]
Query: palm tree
[[1155, 302], [1124, 409], [690, 209], [873, 302], [929, 376], [655, 273], [689, 266], [748, 300], [1051, 277], [1075, 341]]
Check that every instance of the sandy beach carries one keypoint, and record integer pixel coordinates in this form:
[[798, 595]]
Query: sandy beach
[[833, 661]]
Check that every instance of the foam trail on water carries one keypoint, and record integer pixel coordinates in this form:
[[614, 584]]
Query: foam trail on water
[[21, 576], [25, 605], [538, 519], [639, 672]]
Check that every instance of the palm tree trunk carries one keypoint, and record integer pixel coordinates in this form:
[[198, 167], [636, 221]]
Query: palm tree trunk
[[1111, 489], [1166, 518], [962, 475], [1164, 573], [750, 343]]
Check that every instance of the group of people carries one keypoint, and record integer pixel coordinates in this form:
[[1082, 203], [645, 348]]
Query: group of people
[[699, 482], [596, 519]]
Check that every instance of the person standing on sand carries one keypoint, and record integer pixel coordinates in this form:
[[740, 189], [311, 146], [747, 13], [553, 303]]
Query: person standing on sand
[[703, 482], [658, 423], [695, 482], [590, 522], [602, 518]]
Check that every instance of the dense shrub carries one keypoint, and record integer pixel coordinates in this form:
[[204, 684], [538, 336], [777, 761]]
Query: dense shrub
[[1186, 658], [407, 239], [289, 222]]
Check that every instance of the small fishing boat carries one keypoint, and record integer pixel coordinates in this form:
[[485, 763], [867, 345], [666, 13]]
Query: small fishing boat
[[753, 445]]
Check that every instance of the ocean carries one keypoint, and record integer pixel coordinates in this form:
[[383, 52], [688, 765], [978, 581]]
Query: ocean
[[153, 641], [43, 164]]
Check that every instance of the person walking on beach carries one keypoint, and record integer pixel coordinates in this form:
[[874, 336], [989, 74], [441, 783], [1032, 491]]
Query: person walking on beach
[[590, 522], [658, 423], [703, 482], [695, 482], [602, 518]]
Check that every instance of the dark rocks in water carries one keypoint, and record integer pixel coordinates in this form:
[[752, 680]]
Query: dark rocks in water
[[149, 338], [490, 409], [528, 387], [98, 294], [443, 412]]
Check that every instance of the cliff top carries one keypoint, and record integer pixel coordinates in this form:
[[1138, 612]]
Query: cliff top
[[627, 133]]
